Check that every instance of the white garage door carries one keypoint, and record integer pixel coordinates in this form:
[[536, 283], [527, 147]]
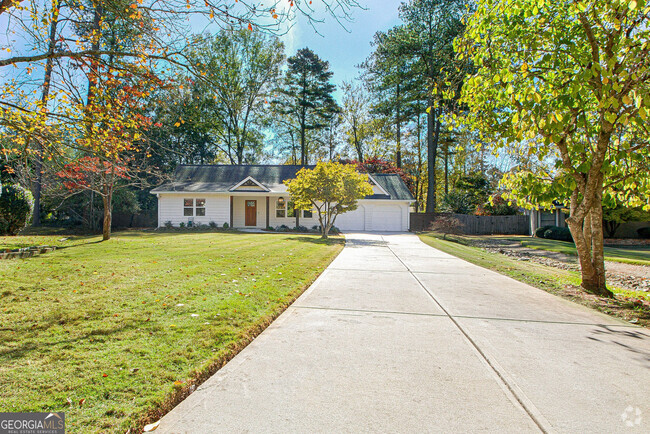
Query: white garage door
[[385, 218], [352, 220]]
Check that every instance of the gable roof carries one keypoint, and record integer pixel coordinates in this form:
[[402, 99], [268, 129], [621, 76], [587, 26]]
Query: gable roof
[[222, 178]]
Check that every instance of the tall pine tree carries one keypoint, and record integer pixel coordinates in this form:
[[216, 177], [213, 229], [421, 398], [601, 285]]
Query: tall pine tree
[[307, 96]]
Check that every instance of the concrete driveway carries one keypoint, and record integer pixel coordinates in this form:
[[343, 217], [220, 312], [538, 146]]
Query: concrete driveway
[[396, 336]]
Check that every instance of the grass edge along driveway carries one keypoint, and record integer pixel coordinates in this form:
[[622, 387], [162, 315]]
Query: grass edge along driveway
[[559, 282], [116, 333]]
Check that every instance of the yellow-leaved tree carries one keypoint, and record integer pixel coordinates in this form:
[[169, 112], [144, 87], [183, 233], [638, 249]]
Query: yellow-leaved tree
[[332, 188]]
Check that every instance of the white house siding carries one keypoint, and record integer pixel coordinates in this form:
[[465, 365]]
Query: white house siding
[[170, 208]]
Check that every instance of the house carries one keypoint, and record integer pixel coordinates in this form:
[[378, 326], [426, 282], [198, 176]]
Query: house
[[254, 196], [546, 217]]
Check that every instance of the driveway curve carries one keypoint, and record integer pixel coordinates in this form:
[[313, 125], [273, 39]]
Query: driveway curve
[[396, 336]]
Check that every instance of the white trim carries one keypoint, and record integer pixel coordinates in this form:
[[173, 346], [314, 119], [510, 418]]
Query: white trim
[[249, 178], [377, 184]]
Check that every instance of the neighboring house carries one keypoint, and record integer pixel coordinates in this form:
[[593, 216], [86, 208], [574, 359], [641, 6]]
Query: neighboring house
[[545, 217], [255, 197]]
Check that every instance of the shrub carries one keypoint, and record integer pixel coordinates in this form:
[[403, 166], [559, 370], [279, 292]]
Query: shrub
[[458, 202], [644, 232], [213, 225], [447, 225], [283, 228], [270, 228], [558, 233], [168, 224], [539, 232], [16, 206], [226, 225], [301, 229], [334, 230], [181, 225]]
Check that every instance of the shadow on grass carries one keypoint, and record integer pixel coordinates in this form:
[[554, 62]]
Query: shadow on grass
[[316, 239], [46, 346]]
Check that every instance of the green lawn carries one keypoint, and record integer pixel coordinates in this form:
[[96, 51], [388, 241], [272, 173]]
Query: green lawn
[[60, 241], [639, 255], [113, 332]]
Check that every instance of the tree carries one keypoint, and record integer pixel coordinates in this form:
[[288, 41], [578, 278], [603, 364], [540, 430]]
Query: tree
[[308, 96], [355, 112], [239, 69], [394, 80], [432, 26], [331, 188], [614, 217], [571, 81], [377, 165], [110, 148], [16, 204]]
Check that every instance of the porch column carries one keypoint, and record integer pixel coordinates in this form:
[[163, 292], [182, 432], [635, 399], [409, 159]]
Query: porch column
[[231, 211], [267, 212]]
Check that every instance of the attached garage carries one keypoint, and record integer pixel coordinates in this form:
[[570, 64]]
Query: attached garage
[[386, 218], [378, 217], [353, 220]]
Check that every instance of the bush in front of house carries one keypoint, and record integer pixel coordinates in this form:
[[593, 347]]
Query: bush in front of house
[[226, 225], [539, 232], [644, 232], [16, 206], [283, 228], [558, 233]]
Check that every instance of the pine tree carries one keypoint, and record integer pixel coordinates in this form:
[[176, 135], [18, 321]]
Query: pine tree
[[307, 96]]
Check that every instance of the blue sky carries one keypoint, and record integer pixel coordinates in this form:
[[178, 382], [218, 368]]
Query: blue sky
[[345, 47]]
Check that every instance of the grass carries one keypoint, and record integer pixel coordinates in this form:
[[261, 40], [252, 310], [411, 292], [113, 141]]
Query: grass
[[114, 333], [564, 283], [638, 255], [18, 242]]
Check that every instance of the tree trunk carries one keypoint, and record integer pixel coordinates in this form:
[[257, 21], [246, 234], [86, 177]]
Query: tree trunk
[[433, 133], [38, 164], [303, 151], [108, 215], [398, 151], [587, 235]]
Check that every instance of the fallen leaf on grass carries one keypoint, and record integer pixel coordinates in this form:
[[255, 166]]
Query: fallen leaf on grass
[[151, 426], [81, 402]]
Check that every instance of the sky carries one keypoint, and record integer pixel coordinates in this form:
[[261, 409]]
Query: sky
[[344, 47]]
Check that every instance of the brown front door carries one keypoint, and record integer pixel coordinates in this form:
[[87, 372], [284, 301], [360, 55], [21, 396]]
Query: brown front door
[[251, 213]]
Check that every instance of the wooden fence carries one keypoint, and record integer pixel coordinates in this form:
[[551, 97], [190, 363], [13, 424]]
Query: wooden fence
[[477, 224]]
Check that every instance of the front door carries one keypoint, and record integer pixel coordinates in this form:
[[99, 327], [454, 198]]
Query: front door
[[251, 213]]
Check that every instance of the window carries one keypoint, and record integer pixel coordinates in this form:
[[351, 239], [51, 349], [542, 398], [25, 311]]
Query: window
[[200, 207], [190, 210], [307, 214], [280, 210]]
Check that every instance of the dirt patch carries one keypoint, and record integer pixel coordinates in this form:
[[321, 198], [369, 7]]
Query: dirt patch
[[625, 276]]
